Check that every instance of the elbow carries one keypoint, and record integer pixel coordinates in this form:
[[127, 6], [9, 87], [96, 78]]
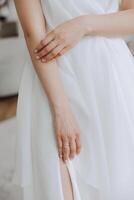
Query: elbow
[[27, 34], [131, 12], [129, 19], [35, 34], [30, 36]]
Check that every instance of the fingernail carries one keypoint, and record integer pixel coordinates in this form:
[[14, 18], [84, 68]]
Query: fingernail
[[37, 57], [43, 60], [35, 51]]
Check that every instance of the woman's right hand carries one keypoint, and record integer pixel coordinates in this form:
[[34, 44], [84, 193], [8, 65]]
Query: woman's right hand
[[67, 134]]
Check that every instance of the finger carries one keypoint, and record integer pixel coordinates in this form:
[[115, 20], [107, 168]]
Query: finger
[[64, 50], [78, 144], [47, 49], [59, 144], [65, 149], [53, 54], [72, 148], [49, 37]]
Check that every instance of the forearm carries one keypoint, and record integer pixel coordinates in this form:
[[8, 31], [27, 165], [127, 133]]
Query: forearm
[[113, 24], [49, 76], [33, 24]]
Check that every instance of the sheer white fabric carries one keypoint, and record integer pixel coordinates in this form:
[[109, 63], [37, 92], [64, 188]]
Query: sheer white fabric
[[98, 75]]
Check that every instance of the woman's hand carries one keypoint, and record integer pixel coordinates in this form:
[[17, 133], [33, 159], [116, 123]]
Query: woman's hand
[[67, 134], [60, 40]]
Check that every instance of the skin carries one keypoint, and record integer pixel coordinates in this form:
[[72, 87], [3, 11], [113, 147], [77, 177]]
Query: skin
[[65, 36], [66, 127], [56, 43]]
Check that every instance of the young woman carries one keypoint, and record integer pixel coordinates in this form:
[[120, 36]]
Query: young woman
[[76, 101]]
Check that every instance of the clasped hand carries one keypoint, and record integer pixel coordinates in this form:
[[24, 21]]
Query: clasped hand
[[58, 41]]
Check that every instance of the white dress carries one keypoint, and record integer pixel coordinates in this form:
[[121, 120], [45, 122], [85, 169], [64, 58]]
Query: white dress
[[98, 75]]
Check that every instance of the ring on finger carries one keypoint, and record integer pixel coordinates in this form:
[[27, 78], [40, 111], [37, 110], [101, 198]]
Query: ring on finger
[[71, 144], [66, 145], [60, 155]]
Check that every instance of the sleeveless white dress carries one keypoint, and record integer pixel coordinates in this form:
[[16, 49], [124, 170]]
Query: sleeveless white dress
[[98, 76]]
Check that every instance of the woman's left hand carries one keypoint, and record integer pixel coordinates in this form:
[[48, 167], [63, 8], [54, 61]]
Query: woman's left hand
[[60, 40]]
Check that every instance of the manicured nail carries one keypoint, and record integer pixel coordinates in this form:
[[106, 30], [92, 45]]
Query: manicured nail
[[35, 51], [43, 60], [37, 57]]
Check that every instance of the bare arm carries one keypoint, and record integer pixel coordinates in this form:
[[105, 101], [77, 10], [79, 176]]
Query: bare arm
[[115, 24], [66, 127], [34, 30], [68, 34]]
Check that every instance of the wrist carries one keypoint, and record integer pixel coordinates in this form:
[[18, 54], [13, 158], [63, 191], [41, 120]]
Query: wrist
[[60, 106], [86, 25]]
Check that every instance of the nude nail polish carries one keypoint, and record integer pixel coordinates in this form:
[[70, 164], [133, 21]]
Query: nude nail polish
[[37, 57], [43, 60]]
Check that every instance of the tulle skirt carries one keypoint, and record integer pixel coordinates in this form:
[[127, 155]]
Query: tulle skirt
[[98, 76]]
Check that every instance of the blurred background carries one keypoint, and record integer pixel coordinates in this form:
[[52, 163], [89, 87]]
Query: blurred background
[[12, 59]]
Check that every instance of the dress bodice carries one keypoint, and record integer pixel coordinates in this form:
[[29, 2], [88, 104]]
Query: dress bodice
[[58, 11]]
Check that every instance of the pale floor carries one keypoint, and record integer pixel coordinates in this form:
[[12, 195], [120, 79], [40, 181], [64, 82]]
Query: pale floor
[[7, 149]]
